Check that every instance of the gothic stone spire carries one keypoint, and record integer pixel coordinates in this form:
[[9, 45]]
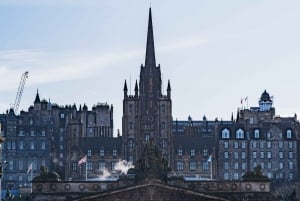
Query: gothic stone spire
[[150, 51]]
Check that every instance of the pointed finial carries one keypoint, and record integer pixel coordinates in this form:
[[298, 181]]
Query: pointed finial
[[136, 89], [37, 97]]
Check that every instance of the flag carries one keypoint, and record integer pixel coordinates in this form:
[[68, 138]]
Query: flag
[[246, 98], [83, 160], [29, 168], [209, 158], [241, 101]]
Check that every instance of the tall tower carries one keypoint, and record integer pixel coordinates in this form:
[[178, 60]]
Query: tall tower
[[147, 115]]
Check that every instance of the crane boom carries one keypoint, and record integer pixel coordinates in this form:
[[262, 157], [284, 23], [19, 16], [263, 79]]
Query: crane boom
[[20, 91]]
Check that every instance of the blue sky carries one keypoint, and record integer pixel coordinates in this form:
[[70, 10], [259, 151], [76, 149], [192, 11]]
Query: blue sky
[[214, 52]]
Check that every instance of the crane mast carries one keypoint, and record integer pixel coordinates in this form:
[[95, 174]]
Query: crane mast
[[20, 91]]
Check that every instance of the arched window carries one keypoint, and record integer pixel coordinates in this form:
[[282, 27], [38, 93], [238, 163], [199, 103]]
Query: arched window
[[225, 133], [289, 134], [256, 133], [239, 134]]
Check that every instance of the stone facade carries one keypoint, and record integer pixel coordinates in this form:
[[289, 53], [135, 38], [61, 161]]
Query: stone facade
[[148, 113], [258, 137], [126, 189], [56, 137]]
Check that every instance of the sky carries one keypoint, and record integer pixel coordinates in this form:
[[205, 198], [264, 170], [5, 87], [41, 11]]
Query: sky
[[215, 53]]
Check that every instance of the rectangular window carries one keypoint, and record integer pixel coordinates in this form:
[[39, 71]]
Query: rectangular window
[[11, 165], [280, 144], [236, 165], [179, 165], [205, 152], [226, 145], [261, 145], [254, 145], [262, 155], [226, 166], [291, 155], [244, 166], [193, 165], [21, 133], [269, 165], [236, 155], [226, 175], [21, 164], [243, 144], [89, 152], [236, 176], [243, 155], [130, 159], [179, 152], [43, 145], [43, 133], [147, 137], [290, 145], [262, 164], [192, 152], [254, 154], [74, 166], [225, 154], [269, 154], [89, 165], [32, 133], [269, 145], [236, 145], [21, 145], [281, 165], [205, 166], [290, 165], [31, 145], [113, 165], [101, 165], [280, 154], [101, 152], [291, 176], [114, 152]]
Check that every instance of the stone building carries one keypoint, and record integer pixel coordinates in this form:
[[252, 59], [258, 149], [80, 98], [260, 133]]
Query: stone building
[[56, 137], [194, 148], [148, 113], [258, 137], [203, 149]]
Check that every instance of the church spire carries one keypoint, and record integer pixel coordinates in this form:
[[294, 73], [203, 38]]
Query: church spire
[[150, 52]]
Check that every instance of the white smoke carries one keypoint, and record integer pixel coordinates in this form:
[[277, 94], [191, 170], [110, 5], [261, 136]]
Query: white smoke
[[123, 166], [105, 174]]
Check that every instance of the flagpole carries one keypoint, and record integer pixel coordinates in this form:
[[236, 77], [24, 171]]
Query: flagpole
[[31, 180], [86, 171], [211, 169]]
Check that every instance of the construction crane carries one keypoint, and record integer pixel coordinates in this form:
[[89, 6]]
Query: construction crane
[[20, 91]]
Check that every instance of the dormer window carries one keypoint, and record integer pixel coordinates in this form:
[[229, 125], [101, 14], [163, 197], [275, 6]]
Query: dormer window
[[256, 133], [289, 134], [239, 134], [225, 134]]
